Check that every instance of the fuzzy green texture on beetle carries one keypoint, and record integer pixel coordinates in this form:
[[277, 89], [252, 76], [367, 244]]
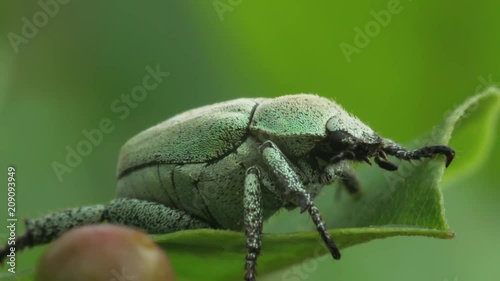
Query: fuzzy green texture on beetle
[[232, 165]]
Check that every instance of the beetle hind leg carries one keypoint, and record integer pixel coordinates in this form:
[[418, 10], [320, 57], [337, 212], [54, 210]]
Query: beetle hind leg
[[47, 228], [152, 217], [253, 219]]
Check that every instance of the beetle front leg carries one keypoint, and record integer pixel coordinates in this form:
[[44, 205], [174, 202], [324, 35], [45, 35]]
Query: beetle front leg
[[252, 207], [350, 181], [345, 174], [397, 150], [295, 192]]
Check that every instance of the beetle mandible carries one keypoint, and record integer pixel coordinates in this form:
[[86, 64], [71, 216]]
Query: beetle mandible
[[232, 165]]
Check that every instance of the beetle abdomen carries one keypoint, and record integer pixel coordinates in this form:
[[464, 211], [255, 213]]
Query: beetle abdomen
[[211, 191], [172, 185]]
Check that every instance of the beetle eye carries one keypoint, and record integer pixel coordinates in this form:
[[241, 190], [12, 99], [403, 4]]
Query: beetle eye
[[337, 137], [340, 140]]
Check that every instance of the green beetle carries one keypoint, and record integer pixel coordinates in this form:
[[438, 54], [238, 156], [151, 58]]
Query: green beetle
[[232, 165]]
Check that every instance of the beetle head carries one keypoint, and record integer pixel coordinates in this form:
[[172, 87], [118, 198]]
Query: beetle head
[[350, 139]]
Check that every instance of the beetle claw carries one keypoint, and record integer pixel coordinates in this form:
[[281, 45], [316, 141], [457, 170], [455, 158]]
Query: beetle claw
[[450, 154]]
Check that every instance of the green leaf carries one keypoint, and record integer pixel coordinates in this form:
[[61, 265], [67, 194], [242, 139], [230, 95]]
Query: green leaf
[[474, 125], [403, 203], [219, 255]]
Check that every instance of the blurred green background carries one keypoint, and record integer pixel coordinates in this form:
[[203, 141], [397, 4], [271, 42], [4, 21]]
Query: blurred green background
[[418, 65]]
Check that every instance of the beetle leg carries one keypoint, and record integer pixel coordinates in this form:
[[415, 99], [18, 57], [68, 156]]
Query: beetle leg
[[151, 217], [252, 206], [400, 152], [343, 155], [154, 218], [350, 181], [47, 228], [294, 190]]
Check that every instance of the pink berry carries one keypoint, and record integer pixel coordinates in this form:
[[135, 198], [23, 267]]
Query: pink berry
[[104, 253]]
